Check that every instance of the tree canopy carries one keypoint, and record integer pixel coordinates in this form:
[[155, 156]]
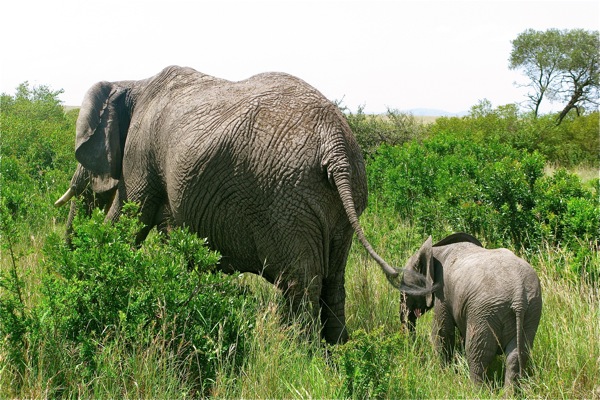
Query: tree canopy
[[561, 65]]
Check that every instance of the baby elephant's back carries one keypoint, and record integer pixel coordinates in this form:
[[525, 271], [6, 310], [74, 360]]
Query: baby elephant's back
[[495, 270], [494, 284]]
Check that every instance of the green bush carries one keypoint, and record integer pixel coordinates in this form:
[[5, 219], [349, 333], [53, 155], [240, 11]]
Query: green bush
[[566, 209], [367, 362], [497, 192], [36, 130], [575, 141], [450, 183], [36, 153], [393, 128], [106, 289], [16, 320]]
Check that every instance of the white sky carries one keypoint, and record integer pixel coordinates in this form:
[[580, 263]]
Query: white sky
[[444, 55]]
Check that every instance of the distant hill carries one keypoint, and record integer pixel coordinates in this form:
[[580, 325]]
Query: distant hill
[[430, 112]]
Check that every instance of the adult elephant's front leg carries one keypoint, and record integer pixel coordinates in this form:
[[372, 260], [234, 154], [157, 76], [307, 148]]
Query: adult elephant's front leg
[[151, 213]]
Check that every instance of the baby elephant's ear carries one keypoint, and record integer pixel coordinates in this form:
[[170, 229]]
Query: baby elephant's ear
[[426, 267]]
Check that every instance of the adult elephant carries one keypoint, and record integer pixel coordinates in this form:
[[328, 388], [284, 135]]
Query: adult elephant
[[266, 168]]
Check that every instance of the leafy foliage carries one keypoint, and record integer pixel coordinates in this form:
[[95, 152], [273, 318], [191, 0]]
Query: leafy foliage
[[107, 288], [15, 319], [452, 182], [367, 362], [36, 152], [394, 128], [576, 141]]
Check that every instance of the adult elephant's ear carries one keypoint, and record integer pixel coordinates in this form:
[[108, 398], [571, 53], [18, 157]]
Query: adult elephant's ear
[[98, 144], [426, 267]]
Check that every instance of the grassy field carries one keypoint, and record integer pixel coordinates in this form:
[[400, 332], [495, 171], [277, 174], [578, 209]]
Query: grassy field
[[585, 173], [425, 119], [390, 364], [565, 359]]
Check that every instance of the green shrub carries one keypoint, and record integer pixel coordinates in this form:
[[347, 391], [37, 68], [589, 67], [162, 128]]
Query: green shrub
[[575, 141], [393, 128], [106, 290], [16, 320], [367, 362], [566, 209], [36, 153], [451, 183]]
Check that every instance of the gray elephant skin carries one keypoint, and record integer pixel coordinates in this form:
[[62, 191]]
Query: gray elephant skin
[[266, 168], [493, 297]]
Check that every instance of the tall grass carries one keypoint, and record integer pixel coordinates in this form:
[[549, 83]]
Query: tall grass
[[587, 173], [286, 361], [565, 358]]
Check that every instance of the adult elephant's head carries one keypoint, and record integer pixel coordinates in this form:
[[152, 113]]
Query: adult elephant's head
[[101, 131]]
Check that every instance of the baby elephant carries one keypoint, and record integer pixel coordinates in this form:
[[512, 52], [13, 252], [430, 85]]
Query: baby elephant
[[492, 296]]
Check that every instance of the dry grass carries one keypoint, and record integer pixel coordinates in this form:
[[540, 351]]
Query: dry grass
[[585, 172]]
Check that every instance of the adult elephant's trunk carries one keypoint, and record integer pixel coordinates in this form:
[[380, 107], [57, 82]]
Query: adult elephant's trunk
[[342, 183], [78, 186], [81, 185]]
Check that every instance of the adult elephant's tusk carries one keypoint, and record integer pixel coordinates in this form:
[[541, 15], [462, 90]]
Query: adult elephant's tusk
[[65, 197]]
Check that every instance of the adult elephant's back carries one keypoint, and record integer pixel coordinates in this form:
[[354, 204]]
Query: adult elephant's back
[[250, 172]]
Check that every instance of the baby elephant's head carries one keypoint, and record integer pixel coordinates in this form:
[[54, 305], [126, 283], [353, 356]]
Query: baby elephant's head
[[417, 285]]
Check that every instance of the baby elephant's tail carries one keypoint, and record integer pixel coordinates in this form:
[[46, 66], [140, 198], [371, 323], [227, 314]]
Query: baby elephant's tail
[[519, 313]]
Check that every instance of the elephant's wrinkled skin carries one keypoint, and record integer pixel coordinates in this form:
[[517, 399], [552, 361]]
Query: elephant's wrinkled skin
[[493, 297], [266, 168]]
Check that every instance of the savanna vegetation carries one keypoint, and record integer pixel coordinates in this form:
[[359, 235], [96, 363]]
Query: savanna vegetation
[[108, 319]]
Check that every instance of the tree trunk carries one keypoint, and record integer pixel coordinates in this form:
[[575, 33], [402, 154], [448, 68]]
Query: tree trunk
[[572, 104]]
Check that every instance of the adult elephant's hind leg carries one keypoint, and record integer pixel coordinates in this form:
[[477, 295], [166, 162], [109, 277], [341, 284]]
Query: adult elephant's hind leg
[[333, 317], [333, 294], [302, 294]]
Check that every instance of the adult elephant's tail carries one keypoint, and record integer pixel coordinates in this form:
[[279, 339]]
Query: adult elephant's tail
[[341, 178]]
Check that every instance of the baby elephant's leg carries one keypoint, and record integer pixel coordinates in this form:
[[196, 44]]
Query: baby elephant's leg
[[514, 369], [481, 347], [443, 335]]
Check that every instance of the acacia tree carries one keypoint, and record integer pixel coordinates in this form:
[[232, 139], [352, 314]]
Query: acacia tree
[[561, 66], [580, 82], [538, 54]]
